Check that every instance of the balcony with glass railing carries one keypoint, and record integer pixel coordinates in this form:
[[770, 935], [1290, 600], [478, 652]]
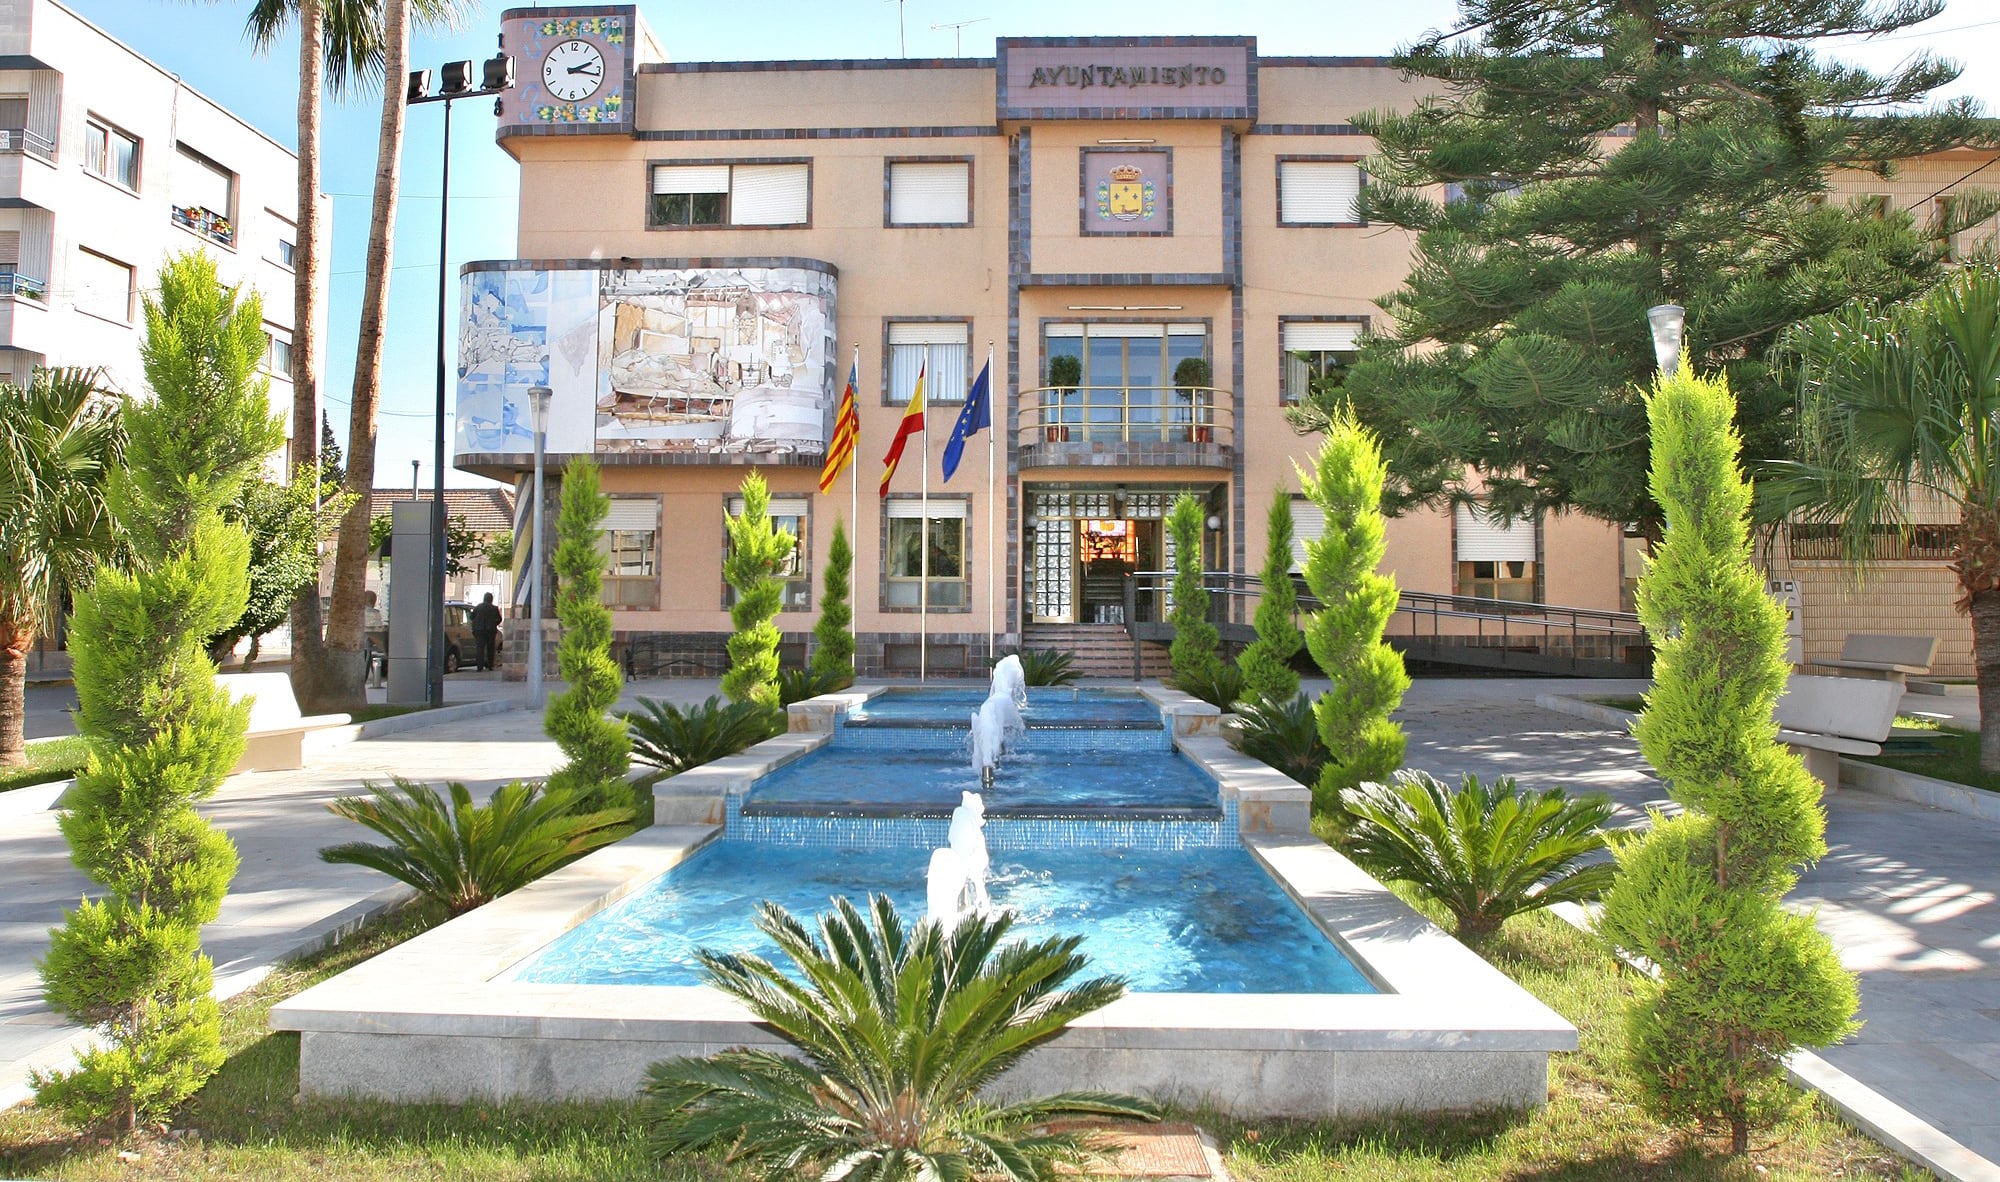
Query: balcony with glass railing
[[16, 285], [22, 141], [206, 222], [1154, 425]]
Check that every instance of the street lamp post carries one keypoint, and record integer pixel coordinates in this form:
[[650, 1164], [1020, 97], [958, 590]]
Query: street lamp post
[[538, 402], [454, 82]]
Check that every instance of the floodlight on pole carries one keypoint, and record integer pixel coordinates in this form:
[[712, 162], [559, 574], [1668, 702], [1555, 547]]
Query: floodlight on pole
[[1667, 320], [538, 405]]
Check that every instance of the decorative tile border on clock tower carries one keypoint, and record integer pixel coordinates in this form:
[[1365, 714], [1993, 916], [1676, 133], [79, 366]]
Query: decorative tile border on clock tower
[[577, 68]]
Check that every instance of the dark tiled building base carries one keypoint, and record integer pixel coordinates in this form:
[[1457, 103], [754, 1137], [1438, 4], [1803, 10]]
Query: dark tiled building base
[[876, 654]]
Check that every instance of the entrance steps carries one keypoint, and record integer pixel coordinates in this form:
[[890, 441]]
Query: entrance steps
[[1098, 650]]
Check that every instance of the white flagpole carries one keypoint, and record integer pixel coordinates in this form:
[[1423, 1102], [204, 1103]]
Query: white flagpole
[[853, 505], [992, 640], [924, 558]]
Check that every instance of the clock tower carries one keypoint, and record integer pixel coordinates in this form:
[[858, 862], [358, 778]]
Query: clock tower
[[576, 68]]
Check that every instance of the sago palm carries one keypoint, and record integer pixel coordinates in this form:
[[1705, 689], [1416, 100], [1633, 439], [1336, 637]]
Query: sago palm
[[1484, 852], [667, 736], [464, 855], [1899, 410], [60, 436], [899, 1031]]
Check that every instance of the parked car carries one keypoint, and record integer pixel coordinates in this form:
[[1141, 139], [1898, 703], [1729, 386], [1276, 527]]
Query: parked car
[[459, 646]]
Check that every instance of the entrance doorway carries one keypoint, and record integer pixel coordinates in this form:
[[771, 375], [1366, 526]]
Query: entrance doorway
[[1083, 541]]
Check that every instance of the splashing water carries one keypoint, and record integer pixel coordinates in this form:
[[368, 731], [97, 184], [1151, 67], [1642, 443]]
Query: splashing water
[[956, 883], [997, 722]]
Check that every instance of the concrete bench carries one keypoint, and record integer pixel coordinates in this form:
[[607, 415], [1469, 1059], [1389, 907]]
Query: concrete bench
[[276, 741], [1894, 657], [1824, 718]]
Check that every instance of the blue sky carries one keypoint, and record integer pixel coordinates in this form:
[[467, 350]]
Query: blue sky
[[204, 43]]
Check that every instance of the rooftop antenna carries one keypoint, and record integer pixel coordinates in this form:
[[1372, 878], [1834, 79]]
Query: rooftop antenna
[[958, 32], [902, 45]]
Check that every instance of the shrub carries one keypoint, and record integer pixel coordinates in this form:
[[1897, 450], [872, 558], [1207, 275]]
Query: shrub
[[757, 547], [599, 751], [1194, 648], [899, 1030], [666, 736], [162, 733], [796, 685], [1284, 735], [1268, 675], [1485, 852], [1345, 635], [1742, 980], [463, 855], [1219, 684], [833, 645], [1046, 666]]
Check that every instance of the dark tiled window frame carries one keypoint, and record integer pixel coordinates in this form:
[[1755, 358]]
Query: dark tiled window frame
[[731, 162], [1278, 196], [882, 554], [930, 397], [1086, 200], [889, 164], [1284, 353], [802, 547], [659, 553]]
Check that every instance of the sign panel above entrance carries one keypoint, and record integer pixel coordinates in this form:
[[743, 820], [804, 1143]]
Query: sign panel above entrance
[[1128, 78]]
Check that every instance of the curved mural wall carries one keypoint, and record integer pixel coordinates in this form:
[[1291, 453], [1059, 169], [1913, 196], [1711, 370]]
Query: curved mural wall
[[734, 357]]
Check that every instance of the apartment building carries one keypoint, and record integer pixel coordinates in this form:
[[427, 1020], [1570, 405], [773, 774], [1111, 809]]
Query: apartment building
[[1154, 240], [109, 164]]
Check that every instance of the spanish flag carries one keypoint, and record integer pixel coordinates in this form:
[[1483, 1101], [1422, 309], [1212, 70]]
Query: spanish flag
[[913, 422], [846, 433]]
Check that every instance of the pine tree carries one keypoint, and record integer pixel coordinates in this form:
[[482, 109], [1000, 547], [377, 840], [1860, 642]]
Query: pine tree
[[599, 751], [833, 645], [1268, 676], [757, 548], [1356, 601], [1193, 652], [1742, 981], [162, 733], [1599, 157]]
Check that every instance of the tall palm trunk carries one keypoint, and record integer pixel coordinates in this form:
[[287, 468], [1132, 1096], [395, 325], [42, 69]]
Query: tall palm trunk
[[1978, 567], [313, 682], [16, 634], [346, 630]]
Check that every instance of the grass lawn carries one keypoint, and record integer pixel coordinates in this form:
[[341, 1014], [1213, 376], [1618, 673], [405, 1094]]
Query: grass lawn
[[247, 1124], [1957, 760], [48, 759], [371, 713]]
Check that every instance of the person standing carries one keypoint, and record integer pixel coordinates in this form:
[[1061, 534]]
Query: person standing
[[485, 630]]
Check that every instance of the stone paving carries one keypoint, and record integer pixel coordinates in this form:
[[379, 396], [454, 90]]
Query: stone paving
[[1908, 893]]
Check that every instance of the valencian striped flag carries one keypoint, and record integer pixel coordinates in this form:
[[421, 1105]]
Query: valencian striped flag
[[913, 422], [974, 418], [846, 433]]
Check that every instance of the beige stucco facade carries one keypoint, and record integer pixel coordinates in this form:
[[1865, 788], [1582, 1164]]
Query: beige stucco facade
[[1031, 266]]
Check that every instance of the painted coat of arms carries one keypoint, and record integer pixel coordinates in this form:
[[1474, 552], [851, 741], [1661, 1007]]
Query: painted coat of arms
[[1126, 195]]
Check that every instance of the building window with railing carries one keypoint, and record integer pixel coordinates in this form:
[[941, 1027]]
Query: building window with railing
[[204, 197], [1127, 383], [1822, 542], [1317, 353], [924, 550], [940, 350], [12, 281], [16, 133], [790, 515], [111, 154], [103, 286], [631, 544], [1495, 558]]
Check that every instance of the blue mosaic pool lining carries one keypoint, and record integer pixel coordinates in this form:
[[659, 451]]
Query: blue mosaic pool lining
[[1038, 739], [1002, 833]]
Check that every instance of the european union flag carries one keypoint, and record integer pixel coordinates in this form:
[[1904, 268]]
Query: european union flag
[[976, 417]]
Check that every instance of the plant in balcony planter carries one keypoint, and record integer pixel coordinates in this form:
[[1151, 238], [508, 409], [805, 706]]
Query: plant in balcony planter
[[1065, 375], [1192, 378]]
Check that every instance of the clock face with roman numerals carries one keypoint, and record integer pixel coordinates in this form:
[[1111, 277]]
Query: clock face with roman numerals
[[573, 70]]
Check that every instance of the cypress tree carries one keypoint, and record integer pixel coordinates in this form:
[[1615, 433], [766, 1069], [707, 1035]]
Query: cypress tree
[[162, 734], [1194, 649], [599, 750], [1742, 981], [1268, 676], [1587, 159], [1356, 601], [757, 548], [833, 644]]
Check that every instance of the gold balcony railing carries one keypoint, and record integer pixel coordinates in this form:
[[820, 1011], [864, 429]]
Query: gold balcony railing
[[1192, 416]]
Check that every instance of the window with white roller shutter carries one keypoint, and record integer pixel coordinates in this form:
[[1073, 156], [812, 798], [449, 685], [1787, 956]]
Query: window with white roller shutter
[[941, 350], [725, 194], [912, 526], [1308, 525], [930, 193], [1319, 193], [631, 543], [1495, 559], [789, 514], [1317, 351], [102, 286]]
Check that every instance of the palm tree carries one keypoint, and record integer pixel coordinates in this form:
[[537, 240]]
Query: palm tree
[[899, 1030], [60, 437], [1899, 408], [1486, 852]]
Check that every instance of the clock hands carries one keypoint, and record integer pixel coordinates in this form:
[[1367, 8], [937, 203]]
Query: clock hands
[[587, 68]]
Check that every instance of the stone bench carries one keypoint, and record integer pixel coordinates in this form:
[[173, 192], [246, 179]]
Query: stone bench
[[1892, 657], [276, 740], [1824, 718]]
